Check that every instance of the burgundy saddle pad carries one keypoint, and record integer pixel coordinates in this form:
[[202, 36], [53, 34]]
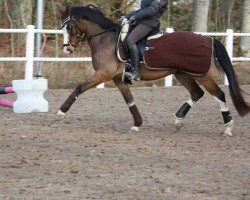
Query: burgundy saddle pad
[[184, 51]]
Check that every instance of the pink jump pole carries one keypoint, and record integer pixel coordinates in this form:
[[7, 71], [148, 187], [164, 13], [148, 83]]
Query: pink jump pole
[[6, 90], [6, 103]]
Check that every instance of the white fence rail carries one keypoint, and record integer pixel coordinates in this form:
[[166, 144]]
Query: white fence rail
[[31, 31]]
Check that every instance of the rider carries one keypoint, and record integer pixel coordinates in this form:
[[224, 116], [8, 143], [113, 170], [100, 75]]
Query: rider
[[143, 21]]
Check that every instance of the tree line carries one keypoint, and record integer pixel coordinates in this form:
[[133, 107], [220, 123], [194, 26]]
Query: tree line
[[189, 15]]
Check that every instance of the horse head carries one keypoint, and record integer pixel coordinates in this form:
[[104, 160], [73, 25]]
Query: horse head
[[83, 23], [72, 29]]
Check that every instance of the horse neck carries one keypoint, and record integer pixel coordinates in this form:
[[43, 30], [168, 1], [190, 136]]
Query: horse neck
[[101, 41]]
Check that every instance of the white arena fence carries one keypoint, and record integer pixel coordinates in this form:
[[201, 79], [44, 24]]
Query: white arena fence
[[29, 59]]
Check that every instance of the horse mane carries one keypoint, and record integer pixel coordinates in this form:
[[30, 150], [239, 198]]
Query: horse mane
[[93, 14]]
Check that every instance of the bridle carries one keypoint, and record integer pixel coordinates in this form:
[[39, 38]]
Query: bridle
[[84, 37], [76, 26]]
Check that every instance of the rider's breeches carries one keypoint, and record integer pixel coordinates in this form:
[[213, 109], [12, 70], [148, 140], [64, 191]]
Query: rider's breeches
[[138, 33]]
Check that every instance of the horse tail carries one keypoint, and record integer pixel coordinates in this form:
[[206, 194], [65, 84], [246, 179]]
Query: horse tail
[[224, 64]]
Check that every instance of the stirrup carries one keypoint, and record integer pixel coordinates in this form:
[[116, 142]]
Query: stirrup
[[132, 76]]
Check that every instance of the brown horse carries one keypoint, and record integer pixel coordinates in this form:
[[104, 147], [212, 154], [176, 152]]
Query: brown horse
[[100, 33]]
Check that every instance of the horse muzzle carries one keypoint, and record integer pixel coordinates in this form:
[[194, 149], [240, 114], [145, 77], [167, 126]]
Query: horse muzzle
[[68, 48]]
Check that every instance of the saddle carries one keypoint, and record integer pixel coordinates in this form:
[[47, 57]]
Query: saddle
[[122, 50]]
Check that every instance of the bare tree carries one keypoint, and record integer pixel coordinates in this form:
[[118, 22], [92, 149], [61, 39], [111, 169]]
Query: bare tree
[[115, 8], [245, 41], [11, 26], [200, 15], [19, 14], [121, 7]]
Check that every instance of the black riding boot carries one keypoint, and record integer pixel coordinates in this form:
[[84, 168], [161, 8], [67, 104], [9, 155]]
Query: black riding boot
[[135, 62]]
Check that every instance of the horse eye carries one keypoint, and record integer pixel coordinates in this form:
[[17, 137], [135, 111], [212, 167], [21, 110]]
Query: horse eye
[[68, 27]]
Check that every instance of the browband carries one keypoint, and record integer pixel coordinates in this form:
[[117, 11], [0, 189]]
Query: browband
[[67, 19]]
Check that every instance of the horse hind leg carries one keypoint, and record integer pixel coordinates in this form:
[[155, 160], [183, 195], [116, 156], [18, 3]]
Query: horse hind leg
[[196, 93], [208, 82], [225, 113]]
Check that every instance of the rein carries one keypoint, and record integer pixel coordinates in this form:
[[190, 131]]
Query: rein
[[85, 37]]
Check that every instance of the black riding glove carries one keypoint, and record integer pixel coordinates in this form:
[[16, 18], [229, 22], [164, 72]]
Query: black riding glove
[[121, 19]]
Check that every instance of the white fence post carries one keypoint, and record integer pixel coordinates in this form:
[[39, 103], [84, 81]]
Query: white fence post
[[229, 47], [29, 52], [168, 81]]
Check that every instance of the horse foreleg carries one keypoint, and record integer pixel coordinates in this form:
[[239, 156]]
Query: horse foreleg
[[127, 95], [95, 80], [196, 93]]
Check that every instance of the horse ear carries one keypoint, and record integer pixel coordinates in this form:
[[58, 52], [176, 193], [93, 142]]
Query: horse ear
[[68, 9], [60, 9]]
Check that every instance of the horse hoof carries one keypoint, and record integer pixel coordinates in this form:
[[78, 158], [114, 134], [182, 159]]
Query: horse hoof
[[134, 129], [60, 113], [178, 123], [228, 128]]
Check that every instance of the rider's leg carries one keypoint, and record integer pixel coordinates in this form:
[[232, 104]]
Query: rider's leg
[[138, 33], [135, 62]]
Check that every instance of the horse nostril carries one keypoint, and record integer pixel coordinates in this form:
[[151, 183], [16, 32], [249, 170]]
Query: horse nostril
[[69, 50]]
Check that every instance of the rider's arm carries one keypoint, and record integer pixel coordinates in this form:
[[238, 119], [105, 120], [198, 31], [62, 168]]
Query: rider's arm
[[131, 14], [151, 10]]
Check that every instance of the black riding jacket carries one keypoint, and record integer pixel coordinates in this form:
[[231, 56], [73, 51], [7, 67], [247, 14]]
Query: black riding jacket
[[150, 12]]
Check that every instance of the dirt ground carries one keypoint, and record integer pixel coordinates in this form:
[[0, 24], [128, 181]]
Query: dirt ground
[[89, 154]]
